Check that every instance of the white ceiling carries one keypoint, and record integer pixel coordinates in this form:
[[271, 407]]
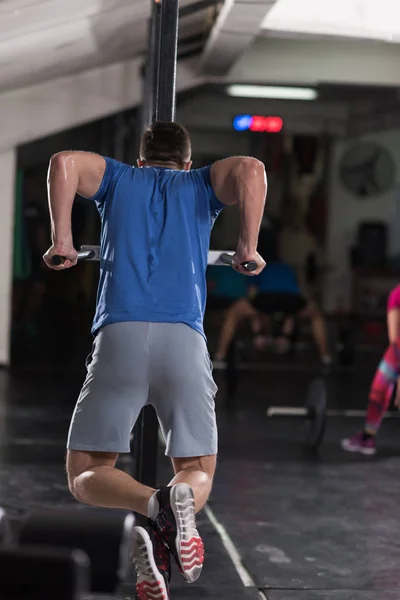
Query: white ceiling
[[42, 40], [64, 44], [238, 24], [360, 19], [45, 39]]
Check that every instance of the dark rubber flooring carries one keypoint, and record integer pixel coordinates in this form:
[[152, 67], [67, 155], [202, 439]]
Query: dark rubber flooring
[[306, 527]]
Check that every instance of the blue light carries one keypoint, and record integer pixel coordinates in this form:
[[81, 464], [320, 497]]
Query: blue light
[[242, 122]]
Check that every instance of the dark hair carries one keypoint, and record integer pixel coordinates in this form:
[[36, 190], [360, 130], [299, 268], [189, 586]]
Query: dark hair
[[166, 142]]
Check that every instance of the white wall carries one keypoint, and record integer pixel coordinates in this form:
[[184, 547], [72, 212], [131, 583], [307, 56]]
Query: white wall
[[305, 61], [346, 212], [34, 112], [218, 144], [7, 178]]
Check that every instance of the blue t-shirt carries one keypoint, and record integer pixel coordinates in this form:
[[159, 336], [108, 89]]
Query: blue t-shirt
[[155, 235], [277, 277]]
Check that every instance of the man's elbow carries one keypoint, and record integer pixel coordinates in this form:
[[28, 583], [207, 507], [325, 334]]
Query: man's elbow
[[61, 161], [252, 168], [60, 157]]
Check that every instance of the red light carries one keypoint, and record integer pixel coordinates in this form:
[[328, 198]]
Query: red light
[[266, 124]]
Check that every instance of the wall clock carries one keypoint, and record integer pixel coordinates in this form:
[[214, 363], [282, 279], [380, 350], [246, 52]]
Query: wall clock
[[367, 169]]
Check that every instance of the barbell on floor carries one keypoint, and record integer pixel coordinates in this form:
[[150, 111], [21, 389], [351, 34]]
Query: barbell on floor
[[5, 530], [293, 411], [314, 412]]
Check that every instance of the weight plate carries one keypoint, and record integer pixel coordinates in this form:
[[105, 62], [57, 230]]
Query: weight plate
[[5, 530], [44, 573], [316, 405], [105, 536]]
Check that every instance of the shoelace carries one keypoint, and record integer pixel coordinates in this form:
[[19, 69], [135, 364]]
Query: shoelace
[[142, 563], [186, 516]]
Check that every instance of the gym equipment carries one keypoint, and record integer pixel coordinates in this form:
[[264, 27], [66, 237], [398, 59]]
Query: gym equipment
[[5, 530], [44, 573], [316, 404], [83, 255], [215, 257], [227, 259], [146, 462], [345, 346], [314, 412], [105, 536]]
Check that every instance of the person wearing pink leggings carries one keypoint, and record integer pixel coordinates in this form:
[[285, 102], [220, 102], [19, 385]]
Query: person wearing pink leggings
[[386, 376]]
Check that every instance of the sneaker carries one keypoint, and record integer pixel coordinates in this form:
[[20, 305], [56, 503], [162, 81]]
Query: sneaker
[[357, 443], [176, 524], [152, 563]]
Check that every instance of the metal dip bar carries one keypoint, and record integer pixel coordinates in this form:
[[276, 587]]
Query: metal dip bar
[[221, 258]]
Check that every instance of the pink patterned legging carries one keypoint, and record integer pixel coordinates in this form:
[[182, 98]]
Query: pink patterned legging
[[382, 387]]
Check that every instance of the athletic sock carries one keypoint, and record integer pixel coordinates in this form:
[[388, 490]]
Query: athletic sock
[[367, 436], [153, 507]]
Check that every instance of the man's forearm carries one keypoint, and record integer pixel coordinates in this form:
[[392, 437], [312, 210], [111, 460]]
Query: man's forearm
[[62, 185], [251, 185]]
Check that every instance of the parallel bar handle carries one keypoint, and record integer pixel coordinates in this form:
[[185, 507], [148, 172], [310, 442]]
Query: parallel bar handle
[[58, 260], [227, 259]]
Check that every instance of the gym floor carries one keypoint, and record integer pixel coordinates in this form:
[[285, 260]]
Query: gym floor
[[281, 524]]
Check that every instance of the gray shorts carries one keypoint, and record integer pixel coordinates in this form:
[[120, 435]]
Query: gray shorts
[[133, 364]]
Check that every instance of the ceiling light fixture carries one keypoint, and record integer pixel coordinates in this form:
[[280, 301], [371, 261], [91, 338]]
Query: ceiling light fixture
[[272, 91]]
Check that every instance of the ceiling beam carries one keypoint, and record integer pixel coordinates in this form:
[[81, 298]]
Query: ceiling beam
[[190, 9], [237, 25]]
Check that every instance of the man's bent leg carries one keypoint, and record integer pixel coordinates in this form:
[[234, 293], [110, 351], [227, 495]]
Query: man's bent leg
[[113, 394], [185, 495], [183, 392], [93, 479], [198, 472]]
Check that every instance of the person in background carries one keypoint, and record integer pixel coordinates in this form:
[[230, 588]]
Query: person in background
[[275, 290], [224, 286], [30, 292], [386, 377]]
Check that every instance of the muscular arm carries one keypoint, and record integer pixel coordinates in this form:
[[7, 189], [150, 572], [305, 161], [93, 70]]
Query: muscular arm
[[242, 181], [70, 173]]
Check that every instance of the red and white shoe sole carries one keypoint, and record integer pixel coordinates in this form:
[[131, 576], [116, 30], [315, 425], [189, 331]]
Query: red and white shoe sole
[[149, 587], [189, 545]]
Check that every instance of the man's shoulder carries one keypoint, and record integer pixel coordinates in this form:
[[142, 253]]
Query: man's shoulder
[[113, 163], [202, 175], [202, 170]]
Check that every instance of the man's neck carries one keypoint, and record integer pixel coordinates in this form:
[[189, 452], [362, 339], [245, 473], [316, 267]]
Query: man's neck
[[165, 165]]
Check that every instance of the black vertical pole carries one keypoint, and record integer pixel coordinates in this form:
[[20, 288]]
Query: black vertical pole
[[158, 104], [145, 447], [150, 88], [168, 59]]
